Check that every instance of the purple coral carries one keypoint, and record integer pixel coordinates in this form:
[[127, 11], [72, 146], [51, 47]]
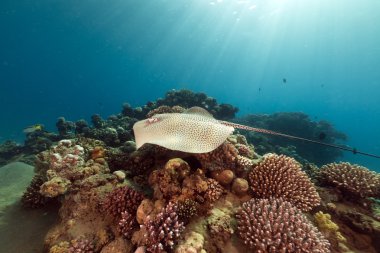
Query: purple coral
[[274, 225], [127, 224], [164, 230], [81, 245], [122, 199]]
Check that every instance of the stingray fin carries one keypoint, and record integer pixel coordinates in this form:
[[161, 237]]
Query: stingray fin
[[199, 111]]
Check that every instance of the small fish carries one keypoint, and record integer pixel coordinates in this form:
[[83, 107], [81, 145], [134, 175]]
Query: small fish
[[33, 128], [284, 80]]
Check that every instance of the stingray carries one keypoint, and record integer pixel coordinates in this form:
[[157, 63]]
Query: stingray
[[197, 131]]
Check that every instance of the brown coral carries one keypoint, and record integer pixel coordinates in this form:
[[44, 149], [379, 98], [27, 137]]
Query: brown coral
[[122, 199], [214, 190], [165, 109], [32, 198], [274, 225], [353, 179], [187, 209], [281, 177], [225, 156]]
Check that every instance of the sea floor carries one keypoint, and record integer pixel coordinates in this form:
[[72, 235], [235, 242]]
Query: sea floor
[[21, 230]]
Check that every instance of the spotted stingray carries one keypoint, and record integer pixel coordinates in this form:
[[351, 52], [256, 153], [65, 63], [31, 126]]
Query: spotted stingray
[[197, 131]]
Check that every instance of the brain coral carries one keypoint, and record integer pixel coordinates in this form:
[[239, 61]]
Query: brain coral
[[274, 225], [282, 177], [353, 179]]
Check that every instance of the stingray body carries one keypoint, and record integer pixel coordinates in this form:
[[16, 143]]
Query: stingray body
[[196, 131], [193, 131]]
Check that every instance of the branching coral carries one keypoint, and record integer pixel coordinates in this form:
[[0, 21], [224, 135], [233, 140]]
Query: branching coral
[[81, 245], [164, 230], [127, 224], [122, 199], [353, 179], [281, 177], [187, 209], [225, 156], [32, 198], [214, 190], [274, 225]]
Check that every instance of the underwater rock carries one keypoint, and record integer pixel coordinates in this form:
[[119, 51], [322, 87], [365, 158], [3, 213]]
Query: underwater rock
[[55, 187]]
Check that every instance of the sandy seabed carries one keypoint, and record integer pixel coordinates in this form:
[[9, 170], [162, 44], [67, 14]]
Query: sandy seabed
[[21, 230]]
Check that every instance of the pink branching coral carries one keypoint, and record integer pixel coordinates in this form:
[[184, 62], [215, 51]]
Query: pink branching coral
[[127, 224], [122, 199], [214, 190], [353, 179], [164, 230], [81, 245], [282, 177], [274, 225]]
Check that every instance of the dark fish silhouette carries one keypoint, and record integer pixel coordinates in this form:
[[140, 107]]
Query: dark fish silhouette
[[284, 80]]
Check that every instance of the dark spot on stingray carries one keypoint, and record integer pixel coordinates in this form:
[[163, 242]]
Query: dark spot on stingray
[[322, 136]]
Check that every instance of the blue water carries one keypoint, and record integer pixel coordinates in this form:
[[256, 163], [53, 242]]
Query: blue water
[[76, 58]]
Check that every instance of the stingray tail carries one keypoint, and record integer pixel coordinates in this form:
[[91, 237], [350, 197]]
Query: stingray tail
[[265, 131]]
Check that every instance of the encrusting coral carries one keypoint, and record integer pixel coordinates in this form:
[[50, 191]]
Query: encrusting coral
[[281, 177], [352, 179], [274, 225], [330, 230]]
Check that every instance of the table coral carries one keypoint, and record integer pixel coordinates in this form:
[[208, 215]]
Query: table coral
[[281, 177], [352, 179], [274, 225]]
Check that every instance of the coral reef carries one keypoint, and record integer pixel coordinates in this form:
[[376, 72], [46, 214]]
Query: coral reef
[[281, 177], [273, 225], [352, 179], [114, 198]]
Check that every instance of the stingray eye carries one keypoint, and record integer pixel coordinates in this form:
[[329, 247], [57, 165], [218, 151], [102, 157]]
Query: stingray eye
[[151, 121]]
